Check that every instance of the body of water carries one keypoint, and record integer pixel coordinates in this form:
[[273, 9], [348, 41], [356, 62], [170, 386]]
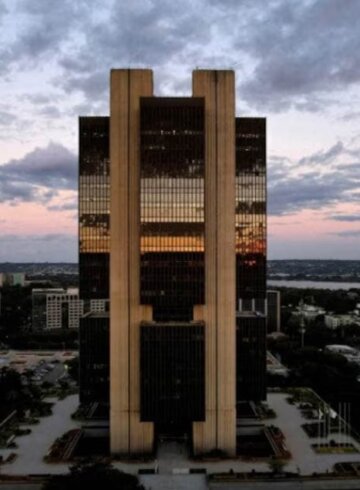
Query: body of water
[[313, 284]]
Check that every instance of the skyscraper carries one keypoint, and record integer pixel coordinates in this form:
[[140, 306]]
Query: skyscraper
[[187, 245]]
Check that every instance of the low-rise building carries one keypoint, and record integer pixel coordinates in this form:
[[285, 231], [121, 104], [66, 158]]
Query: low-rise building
[[308, 312], [335, 321], [12, 279], [55, 309]]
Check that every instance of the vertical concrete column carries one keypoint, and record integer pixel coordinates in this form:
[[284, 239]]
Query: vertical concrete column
[[226, 277], [141, 433], [219, 429], [127, 433], [204, 433]]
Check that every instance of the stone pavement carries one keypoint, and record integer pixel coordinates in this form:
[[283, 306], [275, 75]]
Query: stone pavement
[[345, 484], [172, 458], [33, 447], [174, 482], [304, 458]]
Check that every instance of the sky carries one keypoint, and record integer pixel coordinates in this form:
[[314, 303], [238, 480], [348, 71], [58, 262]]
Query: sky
[[297, 63]]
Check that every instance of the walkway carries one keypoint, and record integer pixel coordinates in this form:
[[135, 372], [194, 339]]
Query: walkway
[[290, 420], [33, 447]]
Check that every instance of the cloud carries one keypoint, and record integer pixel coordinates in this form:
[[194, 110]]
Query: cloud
[[314, 181], [327, 156], [347, 233], [301, 49], [67, 206], [287, 53], [38, 175], [345, 217], [152, 34], [50, 111], [7, 118], [351, 116], [44, 29], [37, 248]]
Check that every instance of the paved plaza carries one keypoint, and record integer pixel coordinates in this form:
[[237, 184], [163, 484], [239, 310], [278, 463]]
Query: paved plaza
[[172, 462], [33, 447], [304, 458]]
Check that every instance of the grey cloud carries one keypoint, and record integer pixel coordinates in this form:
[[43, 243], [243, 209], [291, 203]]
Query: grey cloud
[[293, 51], [7, 118], [345, 217], [15, 192], [303, 49], [293, 187], [38, 248], [324, 156], [351, 116], [46, 29], [152, 33], [53, 167], [347, 233], [298, 193], [3, 9], [93, 85], [68, 206], [50, 111], [38, 98]]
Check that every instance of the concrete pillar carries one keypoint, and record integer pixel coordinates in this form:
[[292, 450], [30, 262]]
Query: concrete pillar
[[219, 429], [127, 433]]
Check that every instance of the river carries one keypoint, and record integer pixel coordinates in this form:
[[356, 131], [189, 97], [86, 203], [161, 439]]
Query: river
[[313, 284]]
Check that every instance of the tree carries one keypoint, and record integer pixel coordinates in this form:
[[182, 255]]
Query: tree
[[73, 368], [93, 475], [276, 465]]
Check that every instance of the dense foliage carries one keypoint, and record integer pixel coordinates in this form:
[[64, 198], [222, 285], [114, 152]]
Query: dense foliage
[[96, 475]]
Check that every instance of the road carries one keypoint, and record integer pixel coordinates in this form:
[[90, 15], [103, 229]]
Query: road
[[290, 485]]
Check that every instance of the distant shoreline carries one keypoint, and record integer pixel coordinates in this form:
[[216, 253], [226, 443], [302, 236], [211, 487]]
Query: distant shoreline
[[303, 284]]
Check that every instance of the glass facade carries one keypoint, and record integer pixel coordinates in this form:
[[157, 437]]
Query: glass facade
[[172, 273], [172, 206], [250, 217], [94, 208], [172, 365], [250, 233], [250, 357], [94, 358]]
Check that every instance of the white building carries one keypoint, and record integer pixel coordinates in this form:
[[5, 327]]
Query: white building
[[335, 321], [56, 308], [63, 310], [308, 312]]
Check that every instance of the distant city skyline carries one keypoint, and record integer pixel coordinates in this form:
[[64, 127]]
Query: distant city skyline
[[297, 63]]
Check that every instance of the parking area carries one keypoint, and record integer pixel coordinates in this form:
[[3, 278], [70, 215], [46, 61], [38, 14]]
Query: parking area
[[39, 366]]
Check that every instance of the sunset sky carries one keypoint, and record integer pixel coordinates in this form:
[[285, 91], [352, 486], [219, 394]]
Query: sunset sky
[[297, 63]]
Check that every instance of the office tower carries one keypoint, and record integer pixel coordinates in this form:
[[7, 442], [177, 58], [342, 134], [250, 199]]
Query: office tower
[[187, 223], [94, 251]]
